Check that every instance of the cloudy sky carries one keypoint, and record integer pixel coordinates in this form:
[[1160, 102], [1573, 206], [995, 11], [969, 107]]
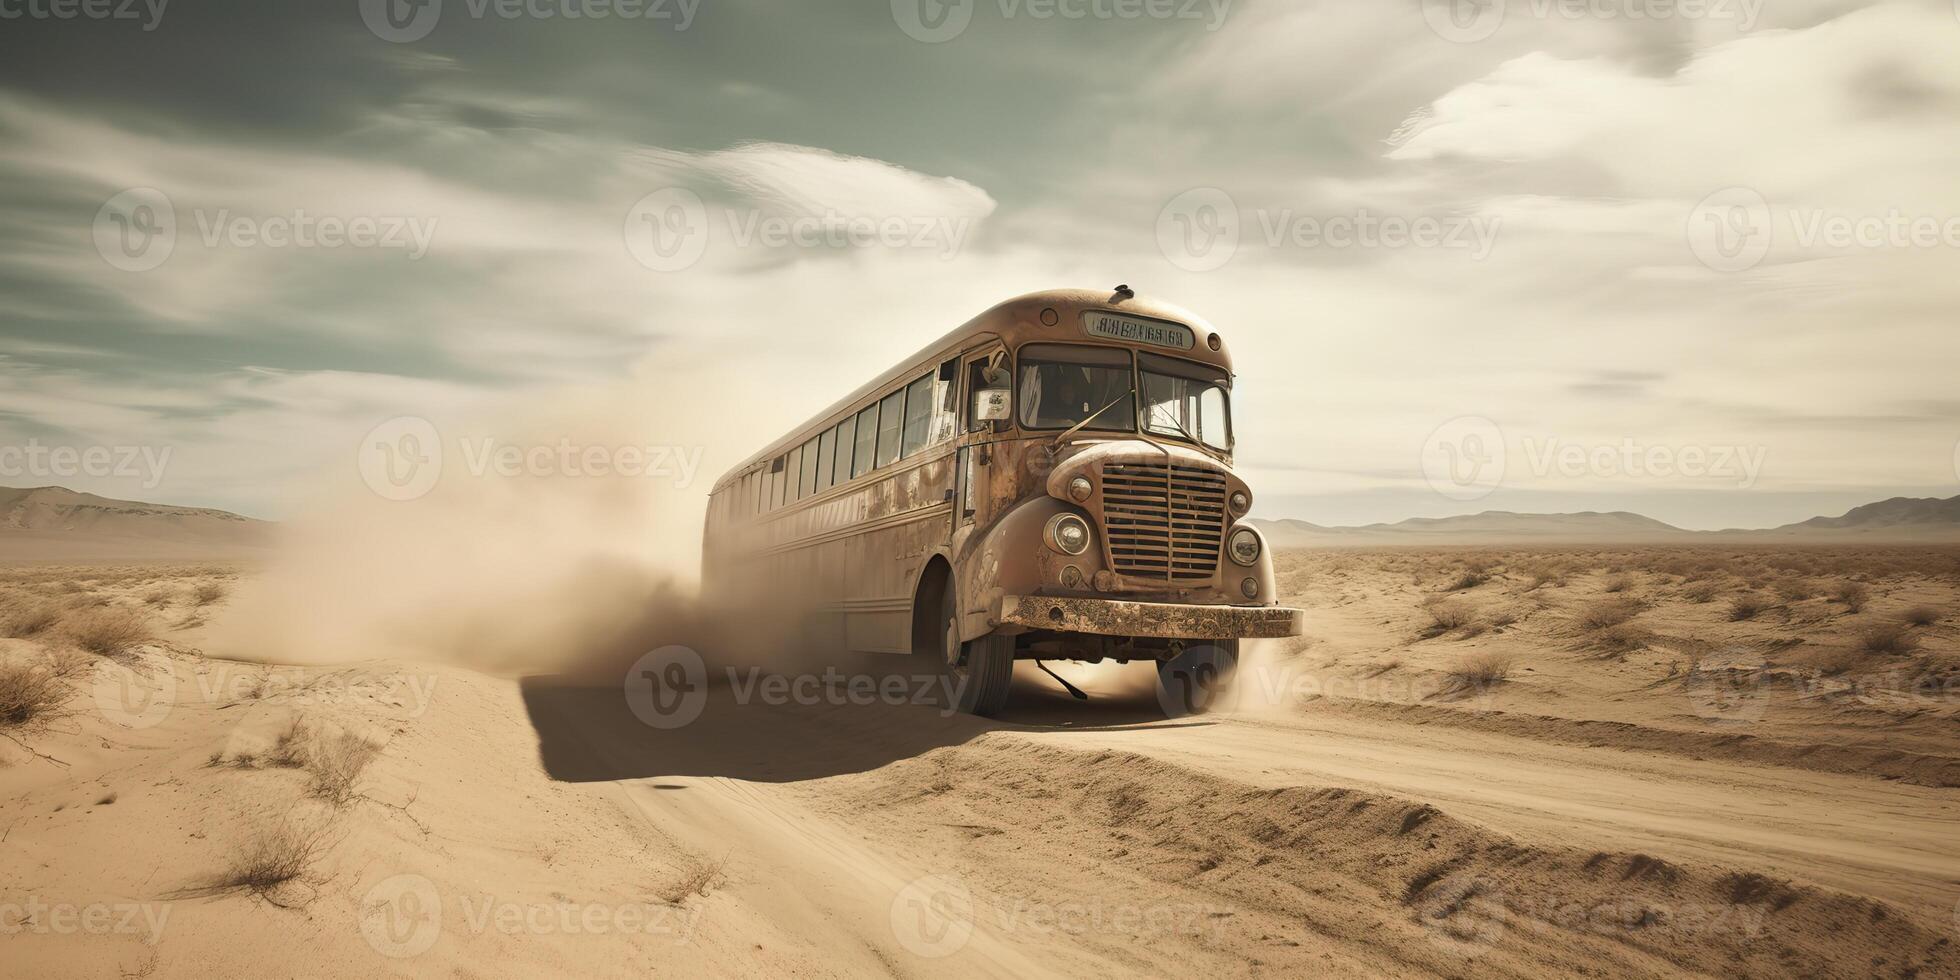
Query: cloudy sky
[[1693, 259]]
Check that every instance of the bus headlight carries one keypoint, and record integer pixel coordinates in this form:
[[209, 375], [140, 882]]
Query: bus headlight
[[1080, 488], [1243, 546], [1240, 503], [1068, 534]]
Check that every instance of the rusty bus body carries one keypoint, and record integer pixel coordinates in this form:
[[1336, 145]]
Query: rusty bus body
[[907, 520]]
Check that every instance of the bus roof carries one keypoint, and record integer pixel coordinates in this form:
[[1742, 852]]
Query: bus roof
[[1015, 322]]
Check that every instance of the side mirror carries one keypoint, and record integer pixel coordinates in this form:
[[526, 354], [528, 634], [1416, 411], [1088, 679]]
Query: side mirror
[[990, 405]]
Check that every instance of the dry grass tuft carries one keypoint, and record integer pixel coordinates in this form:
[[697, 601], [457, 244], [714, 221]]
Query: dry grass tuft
[[1482, 669], [337, 762], [29, 696], [208, 592], [1445, 616], [1608, 612], [29, 617], [1703, 590], [107, 631], [1854, 595], [699, 878], [1887, 638], [1920, 616], [1618, 641], [1748, 607], [274, 856]]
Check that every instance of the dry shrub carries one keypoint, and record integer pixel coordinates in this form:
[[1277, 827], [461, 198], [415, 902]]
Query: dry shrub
[[1701, 591], [207, 593], [1503, 618], [1854, 595], [1831, 663], [1608, 612], [29, 617], [1621, 640], [1469, 578], [273, 856], [159, 597], [1921, 616], [1887, 638], [1747, 607], [698, 878], [336, 763], [289, 748], [107, 631], [1617, 583], [29, 696], [1445, 616], [1481, 669], [1795, 590]]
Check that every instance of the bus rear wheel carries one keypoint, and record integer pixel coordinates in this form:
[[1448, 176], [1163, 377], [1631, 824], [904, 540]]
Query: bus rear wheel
[[982, 670]]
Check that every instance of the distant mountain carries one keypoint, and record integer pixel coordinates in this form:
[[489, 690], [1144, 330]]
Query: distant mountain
[[56, 523], [1899, 520], [1898, 512]]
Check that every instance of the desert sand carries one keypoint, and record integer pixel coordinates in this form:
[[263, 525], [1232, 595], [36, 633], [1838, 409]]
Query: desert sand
[[1725, 761]]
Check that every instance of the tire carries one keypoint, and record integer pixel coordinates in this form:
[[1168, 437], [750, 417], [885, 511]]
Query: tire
[[982, 670], [1198, 679]]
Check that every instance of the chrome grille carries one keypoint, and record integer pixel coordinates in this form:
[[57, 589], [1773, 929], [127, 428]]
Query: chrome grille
[[1163, 522]]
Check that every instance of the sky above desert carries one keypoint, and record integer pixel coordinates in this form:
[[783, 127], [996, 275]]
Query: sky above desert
[[1693, 260]]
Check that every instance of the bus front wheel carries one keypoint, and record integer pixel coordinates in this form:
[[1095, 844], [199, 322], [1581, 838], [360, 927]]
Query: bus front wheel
[[982, 669]]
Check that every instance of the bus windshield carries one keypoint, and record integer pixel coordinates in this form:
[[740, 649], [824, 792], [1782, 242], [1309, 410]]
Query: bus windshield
[[1062, 385], [1186, 400]]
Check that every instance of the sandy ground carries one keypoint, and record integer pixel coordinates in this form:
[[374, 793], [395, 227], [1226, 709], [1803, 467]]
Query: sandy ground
[[1512, 795]]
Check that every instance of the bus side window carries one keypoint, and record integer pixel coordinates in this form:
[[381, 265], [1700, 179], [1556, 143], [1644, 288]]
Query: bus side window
[[891, 421], [918, 415], [967, 507], [867, 437]]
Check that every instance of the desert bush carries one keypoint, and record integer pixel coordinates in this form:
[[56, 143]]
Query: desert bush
[[29, 696], [1886, 638], [699, 878], [1608, 612], [1703, 590], [29, 617], [1481, 669], [159, 597], [1747, 607], [107, 631], [289, 747], [274, 855], [1503, 618], [1446, 615], [1854, 595], [336, 763], [1794, 590], [1920, 616], [207, 593], [1617, 583], [1621, 640], [1831, 663]]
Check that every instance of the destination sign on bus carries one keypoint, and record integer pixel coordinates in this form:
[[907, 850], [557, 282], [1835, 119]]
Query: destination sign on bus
[[1156, 333]]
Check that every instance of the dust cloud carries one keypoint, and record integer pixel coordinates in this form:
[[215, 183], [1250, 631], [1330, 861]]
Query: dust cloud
[[562, 535]]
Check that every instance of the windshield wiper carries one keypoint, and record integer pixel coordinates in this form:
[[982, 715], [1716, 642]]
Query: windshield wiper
[[1203, 446], [1077, 427]]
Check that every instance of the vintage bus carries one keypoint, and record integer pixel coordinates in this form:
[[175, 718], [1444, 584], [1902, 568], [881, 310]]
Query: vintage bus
[[1052, 480]]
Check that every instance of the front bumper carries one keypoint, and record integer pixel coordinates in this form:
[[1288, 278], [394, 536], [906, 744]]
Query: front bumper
[[1119, 617]]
